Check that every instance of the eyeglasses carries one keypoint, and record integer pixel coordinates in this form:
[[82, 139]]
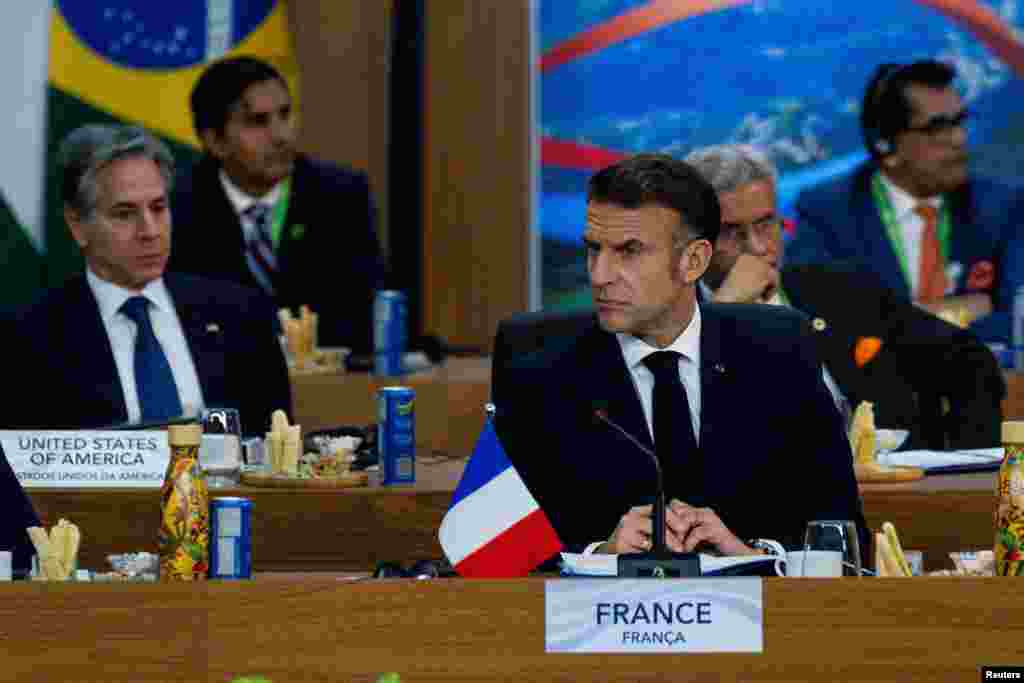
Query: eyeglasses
[[941, 123], [766, 229]]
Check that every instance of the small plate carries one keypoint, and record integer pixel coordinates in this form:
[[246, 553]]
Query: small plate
[[889, 439]]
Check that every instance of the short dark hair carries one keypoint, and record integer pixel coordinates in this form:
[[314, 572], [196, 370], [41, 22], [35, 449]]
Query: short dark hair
[[222, 85], [88, 149], [660, 180], [886, 110]]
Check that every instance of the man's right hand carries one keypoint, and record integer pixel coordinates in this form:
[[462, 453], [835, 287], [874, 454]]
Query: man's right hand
[[632, 535], [751, 280]]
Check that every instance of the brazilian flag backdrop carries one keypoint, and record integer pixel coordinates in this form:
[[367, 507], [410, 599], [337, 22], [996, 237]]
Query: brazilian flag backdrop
[[135, 61]]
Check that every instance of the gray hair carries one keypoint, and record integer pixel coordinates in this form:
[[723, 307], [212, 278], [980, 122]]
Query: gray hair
[[88, 149], [729, 167]]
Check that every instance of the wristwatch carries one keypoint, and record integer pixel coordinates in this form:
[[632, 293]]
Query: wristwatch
[[769, 546]]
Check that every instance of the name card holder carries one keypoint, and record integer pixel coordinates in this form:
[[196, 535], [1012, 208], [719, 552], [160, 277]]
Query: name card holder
[[87, 459], [654, 616]]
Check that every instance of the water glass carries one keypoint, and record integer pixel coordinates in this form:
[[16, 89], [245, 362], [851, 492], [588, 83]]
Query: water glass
[[220, 453], [837, 536]]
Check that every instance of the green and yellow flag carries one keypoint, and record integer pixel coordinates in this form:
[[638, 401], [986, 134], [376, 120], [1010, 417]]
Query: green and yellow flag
[[135, 61]]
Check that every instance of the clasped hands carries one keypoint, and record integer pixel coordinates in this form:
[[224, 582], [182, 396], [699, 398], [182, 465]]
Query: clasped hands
[[686, 527]]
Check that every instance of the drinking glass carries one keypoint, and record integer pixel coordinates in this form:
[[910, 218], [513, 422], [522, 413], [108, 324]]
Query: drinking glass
[[220, 453], [833, 539]]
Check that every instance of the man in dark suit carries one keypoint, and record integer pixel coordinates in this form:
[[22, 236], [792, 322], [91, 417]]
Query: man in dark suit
[[912, 214], [16, 515], [256, 212], [124, 341], [922, 363], [729, 397]]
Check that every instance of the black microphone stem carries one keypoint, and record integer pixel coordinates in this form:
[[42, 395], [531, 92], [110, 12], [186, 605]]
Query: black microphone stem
[[658, 545]]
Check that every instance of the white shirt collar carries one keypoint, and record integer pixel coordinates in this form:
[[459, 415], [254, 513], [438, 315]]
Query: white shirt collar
[[111, 297], [634, 349], [903, 203], [242, 201]]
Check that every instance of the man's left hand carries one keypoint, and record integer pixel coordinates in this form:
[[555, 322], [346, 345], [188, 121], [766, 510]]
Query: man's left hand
[[693, 526]]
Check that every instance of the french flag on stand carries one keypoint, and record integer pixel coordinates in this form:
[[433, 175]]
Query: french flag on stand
[[494, 527]]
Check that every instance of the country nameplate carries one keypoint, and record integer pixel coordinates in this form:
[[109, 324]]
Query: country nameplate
[[654, 615]]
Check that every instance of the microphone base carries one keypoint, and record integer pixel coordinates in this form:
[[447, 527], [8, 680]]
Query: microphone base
[[659, 565]]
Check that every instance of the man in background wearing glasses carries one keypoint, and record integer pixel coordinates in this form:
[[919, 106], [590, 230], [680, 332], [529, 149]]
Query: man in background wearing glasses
[[912, 214], [849, 306]]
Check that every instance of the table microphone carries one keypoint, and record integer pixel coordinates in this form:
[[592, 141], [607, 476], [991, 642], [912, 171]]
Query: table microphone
[[659, 562]]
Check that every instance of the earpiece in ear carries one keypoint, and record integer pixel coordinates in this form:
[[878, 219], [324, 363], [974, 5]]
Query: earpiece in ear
[[883, 147]]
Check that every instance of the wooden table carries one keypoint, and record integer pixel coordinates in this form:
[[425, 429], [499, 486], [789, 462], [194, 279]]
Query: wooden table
[[1013, 404], [328, 629], [939, 515], [292, 529], [354, 529], [450, 402]]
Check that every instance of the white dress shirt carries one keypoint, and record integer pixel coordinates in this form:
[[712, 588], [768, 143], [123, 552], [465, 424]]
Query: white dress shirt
[[911, 226], [121, 330], [241, 201], [634, 350]]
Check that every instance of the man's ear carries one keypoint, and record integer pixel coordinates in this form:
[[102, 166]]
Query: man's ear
[[694, 260], [212, 142], [77, 227]]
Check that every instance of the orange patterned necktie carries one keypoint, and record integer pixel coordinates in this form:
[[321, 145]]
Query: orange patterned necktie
[[931, 274]]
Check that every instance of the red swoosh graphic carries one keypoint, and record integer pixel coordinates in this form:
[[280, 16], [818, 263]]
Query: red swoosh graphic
[[627, 25], [572, 155], [985, 24]]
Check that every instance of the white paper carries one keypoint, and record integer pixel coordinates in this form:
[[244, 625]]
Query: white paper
[[603, 564], [928, 459]]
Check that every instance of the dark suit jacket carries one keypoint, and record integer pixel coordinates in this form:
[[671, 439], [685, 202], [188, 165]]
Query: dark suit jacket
[[72, 379], [16, 515], [328, 257], [772, 454], [839, 221], [922, 361]]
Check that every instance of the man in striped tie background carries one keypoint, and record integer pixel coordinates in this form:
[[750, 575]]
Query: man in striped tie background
[[255, 211]]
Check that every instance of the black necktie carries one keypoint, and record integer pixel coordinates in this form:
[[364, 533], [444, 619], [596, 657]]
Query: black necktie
[[674, 442], [154, 381]]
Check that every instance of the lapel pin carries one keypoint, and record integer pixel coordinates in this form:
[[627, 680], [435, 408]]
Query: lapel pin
[[212, 328], [719, 368], [819, 324]]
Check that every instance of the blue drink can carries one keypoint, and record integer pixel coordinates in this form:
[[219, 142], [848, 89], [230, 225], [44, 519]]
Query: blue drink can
[[230, 538], [390, 313], [396, 435]]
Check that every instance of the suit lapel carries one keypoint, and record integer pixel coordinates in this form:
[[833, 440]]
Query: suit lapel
[[294, 225], [615, 389], [965, 247], [877, 245], [204, 333], [714, 373], [99, 375]]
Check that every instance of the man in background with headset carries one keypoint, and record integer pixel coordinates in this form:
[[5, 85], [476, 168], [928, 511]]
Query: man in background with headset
[[912, 214]]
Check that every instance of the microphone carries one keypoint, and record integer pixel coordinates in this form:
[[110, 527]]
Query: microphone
[[659, 562], [658, 545]]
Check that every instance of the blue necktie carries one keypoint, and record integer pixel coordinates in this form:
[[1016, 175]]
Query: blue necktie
[[154, 382], [259, 250]]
